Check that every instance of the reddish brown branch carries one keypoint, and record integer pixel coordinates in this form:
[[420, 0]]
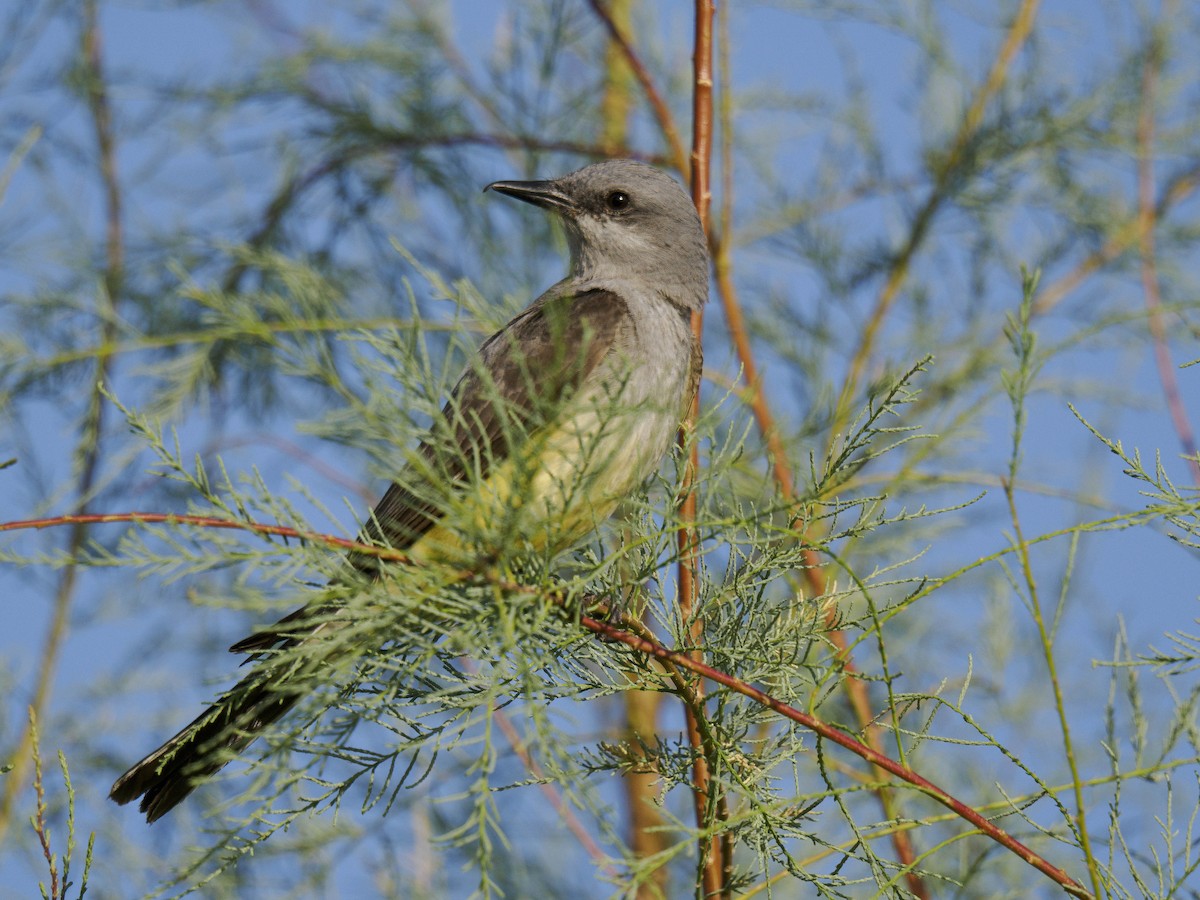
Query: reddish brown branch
[[290, 193], [948, 171], [829, 733], [856, 690], [384, 553], [552, 794], [814, 573], [91, 429], [702, 111], [1147, 219], [707, 793], [643, 644], [662, 112]]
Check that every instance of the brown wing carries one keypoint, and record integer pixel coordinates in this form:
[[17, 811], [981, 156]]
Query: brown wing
[[516, 383], [695, 373]]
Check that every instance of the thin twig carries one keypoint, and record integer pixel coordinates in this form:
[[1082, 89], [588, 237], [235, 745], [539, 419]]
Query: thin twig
[[829, 733], [643, 643], [289, 193], [586, 841], [91, 432], [1146, 224], [707, 793], [814, 573], [947, 173], [1123, 237], [147, 518], [40, 828], [617, 99], [662, 113], [1047, 644]]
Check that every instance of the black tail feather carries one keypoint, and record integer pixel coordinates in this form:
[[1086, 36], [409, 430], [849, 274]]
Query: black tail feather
[[165, 777]]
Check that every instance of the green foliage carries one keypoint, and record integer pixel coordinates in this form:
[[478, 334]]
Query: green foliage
[[293, 311], [59, 866]]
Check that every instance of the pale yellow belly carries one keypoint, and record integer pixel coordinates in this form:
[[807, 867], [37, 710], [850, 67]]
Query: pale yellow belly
[[557, 488]]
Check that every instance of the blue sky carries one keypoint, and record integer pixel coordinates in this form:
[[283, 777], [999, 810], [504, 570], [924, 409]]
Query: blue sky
[[173, 173]]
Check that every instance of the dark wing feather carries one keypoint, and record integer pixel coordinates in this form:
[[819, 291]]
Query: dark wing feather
[[516, 383]]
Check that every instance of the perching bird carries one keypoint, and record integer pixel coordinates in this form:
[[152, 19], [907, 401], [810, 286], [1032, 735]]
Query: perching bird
[[560, 415]]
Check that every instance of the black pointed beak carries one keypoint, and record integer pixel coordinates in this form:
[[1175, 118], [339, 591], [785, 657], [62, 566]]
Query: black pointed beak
[[545, 194]]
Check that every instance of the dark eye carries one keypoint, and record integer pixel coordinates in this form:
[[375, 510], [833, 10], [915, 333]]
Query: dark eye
[[617, 200]]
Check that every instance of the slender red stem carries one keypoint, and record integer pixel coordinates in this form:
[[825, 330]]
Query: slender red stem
[[642, 644], [1147, 219], [829, 733]]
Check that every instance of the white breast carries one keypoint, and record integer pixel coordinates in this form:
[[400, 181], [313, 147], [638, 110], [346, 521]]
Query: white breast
[[563, 482]]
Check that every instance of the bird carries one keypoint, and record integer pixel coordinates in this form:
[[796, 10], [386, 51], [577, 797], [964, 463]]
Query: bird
[[557, 417]]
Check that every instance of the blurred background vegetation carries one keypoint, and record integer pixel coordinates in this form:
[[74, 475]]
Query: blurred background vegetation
[[944, 435]]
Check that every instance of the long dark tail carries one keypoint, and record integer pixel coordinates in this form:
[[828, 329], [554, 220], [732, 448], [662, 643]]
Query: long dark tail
[[165, 777], [283, 674]]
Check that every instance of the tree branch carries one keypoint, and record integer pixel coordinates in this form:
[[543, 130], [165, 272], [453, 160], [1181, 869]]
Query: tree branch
[[828, 732], [1147, 220], [643, 644], [91, 432]]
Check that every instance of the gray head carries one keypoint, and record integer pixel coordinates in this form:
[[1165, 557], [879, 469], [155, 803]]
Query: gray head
[[628, 225]]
